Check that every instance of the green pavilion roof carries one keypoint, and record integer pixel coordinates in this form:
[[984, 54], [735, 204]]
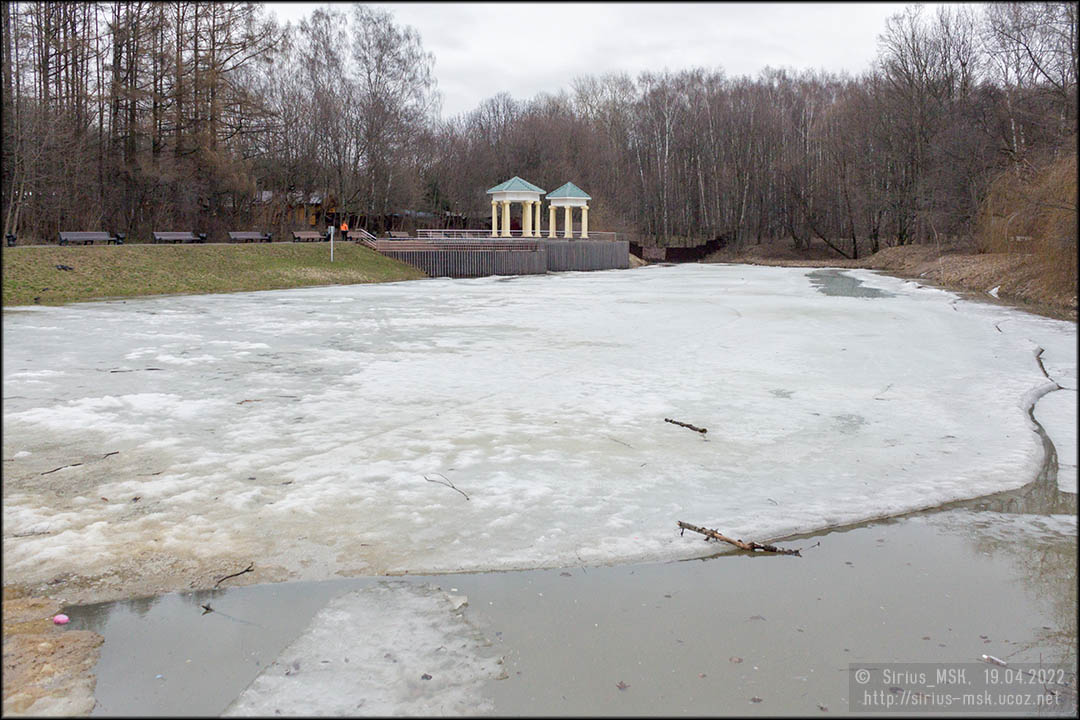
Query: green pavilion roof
[[516, 184], [569, 190]]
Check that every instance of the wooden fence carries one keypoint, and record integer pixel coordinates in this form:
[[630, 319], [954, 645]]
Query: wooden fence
[[587, 255], [454, 259]]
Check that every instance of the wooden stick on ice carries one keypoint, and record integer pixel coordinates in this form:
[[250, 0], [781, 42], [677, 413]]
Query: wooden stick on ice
[[751, 546]]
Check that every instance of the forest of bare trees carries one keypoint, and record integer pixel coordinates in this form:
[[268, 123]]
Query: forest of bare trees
[[132, 116]]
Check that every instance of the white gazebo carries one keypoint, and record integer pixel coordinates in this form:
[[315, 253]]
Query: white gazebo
[[569, 196], [515, 190]]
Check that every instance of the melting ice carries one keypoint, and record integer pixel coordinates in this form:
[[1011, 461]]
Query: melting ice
[[494, 423], [392, 649]]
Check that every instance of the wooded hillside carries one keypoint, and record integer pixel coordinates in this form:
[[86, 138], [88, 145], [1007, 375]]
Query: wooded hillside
[[136, 116]]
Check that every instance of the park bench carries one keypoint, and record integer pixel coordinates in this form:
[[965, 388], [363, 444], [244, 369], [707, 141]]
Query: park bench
[[249, 236], [178, 237], [89, 238], [399, 235], [309, 236]]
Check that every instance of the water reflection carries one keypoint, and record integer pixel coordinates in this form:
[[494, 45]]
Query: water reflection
[[96, 616], [1042, 552], [1050, 571]]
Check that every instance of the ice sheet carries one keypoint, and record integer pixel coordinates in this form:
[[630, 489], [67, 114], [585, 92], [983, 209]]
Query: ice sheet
[[1057, 413], [319, 429], [1017, 528], [392, 649]]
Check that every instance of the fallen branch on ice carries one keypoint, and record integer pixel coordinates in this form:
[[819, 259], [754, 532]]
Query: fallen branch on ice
[[695, 428], [47, 472], [447, 483], [248, 569], [61, 468], [752, 546]]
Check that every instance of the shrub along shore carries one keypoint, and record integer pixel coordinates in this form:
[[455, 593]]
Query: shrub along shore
[[54, 275]]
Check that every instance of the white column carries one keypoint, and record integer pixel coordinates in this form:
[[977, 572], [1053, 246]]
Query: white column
[[551, 220], [568, 231], [526, 218], [584, 221], [506, 219], [494, 218], [537, 211]]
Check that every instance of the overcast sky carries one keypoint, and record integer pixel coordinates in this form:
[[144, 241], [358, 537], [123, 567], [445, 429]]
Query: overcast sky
[[526, 48]]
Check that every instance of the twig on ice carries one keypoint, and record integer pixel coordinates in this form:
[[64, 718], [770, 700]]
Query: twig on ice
[[47, 472], [61, 468], [447, 483], [737, 543], [695, 428], [248, 569]]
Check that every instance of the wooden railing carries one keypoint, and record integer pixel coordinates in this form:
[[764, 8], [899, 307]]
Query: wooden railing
[[424, 243], [363, 237], [598, 235]]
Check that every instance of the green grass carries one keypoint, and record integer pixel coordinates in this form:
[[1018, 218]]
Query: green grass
[[121, 271]]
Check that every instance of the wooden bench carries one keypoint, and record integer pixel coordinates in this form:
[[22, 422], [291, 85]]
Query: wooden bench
[[178, 237], [309, 236], [249, 236], [399, 235], [89, 238]]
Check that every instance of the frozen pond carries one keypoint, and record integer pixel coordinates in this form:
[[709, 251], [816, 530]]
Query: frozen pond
[[495, 423]]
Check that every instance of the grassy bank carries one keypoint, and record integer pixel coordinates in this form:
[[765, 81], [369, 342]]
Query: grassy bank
[[1024, 280], [31, 274]]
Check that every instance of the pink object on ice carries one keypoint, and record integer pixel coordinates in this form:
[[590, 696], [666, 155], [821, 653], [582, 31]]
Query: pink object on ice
[[60, 619]]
